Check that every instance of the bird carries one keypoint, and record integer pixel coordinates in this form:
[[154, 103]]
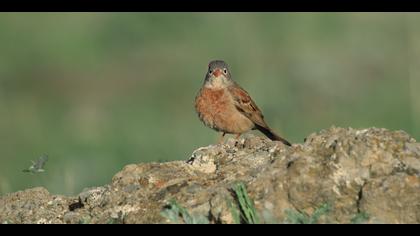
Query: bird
[[37, 166], [226, 107]]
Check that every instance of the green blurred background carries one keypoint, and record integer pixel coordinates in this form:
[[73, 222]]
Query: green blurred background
[[98, 91]]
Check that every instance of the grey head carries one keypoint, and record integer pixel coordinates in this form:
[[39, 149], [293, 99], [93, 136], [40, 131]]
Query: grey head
[[218, 75]]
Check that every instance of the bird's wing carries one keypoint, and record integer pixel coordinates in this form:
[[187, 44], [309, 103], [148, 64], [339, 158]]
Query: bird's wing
[[245, 105], [41, 162]]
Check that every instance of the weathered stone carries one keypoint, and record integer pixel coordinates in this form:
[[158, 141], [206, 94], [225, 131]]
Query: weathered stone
[[371, 171]]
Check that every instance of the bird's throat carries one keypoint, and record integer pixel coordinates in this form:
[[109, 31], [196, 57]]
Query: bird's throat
[[220, 82]]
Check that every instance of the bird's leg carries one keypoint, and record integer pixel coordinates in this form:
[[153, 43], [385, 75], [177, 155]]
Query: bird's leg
[[220, 141], [237, 139]]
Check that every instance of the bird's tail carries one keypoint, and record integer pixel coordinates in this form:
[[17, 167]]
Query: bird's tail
[[271, 135]]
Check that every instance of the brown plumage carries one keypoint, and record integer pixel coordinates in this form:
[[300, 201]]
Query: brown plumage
[[226, 107]]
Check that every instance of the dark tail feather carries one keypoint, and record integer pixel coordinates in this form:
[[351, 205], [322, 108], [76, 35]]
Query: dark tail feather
[[271, 135]]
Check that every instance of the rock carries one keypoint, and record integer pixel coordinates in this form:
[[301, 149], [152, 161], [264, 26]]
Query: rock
[[371, 172]]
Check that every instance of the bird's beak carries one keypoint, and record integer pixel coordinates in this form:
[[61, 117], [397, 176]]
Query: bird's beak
[[217, 72]]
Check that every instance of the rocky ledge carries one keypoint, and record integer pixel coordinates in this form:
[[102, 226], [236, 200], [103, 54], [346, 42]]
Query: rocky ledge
[[364, 176]]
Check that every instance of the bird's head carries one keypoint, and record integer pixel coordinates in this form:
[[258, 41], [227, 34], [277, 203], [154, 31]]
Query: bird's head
[[218, 75]]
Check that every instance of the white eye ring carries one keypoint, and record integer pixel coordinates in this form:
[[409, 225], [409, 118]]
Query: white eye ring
[[225, 70], [210, 71]]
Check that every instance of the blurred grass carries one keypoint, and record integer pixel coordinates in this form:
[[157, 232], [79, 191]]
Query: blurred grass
[[97, 91]]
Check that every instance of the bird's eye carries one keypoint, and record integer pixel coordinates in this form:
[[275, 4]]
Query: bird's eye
[[225, 70], [210, 71]]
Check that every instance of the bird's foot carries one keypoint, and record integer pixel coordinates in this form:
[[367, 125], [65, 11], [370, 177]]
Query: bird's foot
[[221, 139]]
